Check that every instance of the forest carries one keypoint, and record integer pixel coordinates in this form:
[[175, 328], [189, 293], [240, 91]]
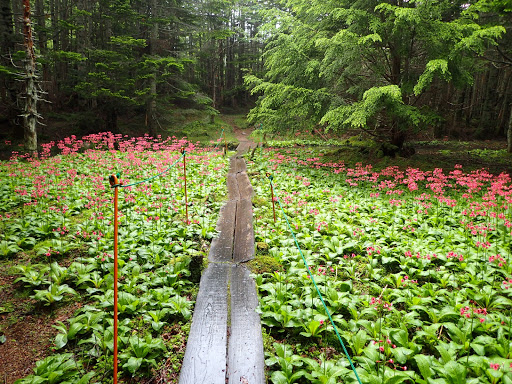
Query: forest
[[243, 191], [392, 69]]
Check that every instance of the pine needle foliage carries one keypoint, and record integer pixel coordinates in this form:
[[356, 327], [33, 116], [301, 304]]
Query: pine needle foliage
[[364, 64]]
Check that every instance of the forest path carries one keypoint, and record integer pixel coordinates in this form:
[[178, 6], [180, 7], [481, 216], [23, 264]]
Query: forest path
[[225, 344], [242, 135]]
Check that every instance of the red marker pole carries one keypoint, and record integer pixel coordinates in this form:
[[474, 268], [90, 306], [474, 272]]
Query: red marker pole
[[185, 174], [225, 146], [114, 182], [272, 192]]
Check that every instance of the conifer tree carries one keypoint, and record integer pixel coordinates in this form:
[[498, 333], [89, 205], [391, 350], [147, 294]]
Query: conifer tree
[[365, 64], [30, 95]]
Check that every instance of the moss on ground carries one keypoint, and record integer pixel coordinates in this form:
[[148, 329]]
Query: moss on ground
[[264, 263]]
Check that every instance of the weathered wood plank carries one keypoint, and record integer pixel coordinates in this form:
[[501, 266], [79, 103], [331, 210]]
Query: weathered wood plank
[[241, 166], [243, 249], [244, 146], [205, 356], [233, 192], [221, 248], [245, 350], [244, 186]]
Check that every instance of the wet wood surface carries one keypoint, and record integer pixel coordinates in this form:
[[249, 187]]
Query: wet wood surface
[[205, 357], [245, 351], [244, 233], [211, 358], [233, 190], [244, 186], [222, 246]]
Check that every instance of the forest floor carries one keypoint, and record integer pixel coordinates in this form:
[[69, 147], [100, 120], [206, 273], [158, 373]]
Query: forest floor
[[26, 322], [32, 325], [472, 155]]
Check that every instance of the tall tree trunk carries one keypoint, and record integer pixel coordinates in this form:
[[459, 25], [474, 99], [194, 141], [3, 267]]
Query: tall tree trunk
[[151, 103], [509, 132], [6, 30], [42, 44], [30, 113], [7, 45], [17, 13], [41, 24]]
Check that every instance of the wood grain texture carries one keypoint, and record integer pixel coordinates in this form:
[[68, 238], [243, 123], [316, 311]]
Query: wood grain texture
[[245, 351], [244, 233], [222, 246], [233, 192], [244, 186], [241, 166], [209, 356], [205, 356]]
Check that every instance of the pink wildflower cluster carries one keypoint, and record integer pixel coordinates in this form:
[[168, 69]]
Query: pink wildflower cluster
[[62, 231], [381, 346], [50, 252], [320, 225], [454, 255], [406, 280], [419, 256], [507, 283], [105, 256], [485, 245], [322, 270], [467, 311], [370, 250], [497, 259], [378, 302]]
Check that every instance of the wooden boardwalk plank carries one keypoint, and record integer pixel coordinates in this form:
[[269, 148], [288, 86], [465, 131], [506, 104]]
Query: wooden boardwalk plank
[[245, 352], [205, 356], [208, 357], [222, 246], [244, 186], [244, 233], [233, 192], [240, 165]]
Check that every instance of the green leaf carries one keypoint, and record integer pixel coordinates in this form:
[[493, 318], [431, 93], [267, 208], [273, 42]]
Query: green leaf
[[424, 363], [454, 372], [278, 377], [433, 67], [61, 340], [133, 364]]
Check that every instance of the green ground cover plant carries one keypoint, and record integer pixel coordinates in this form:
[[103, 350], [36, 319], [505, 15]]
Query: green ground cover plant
[[54, 208], [414, 267]]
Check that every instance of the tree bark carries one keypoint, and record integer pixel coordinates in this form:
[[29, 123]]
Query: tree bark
[[151, 103], [6, 30], [31, 96], [509, 132], [17, 13], [8, 92]]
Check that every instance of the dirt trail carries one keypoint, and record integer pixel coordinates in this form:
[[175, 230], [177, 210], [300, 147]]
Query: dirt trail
[[225, 344]]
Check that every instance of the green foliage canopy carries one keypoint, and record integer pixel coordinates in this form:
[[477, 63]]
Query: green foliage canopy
[[364, 64]]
